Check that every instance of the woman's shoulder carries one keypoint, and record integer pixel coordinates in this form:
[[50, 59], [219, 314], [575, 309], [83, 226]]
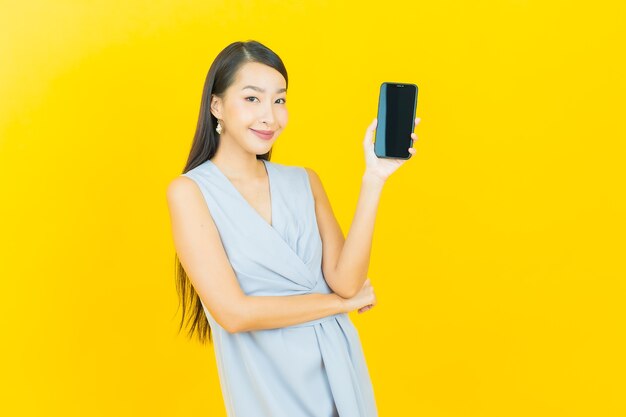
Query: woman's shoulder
[[303, 176], [297, 172]]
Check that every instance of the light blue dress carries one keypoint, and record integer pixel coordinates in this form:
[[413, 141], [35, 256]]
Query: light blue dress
[[311, 369]]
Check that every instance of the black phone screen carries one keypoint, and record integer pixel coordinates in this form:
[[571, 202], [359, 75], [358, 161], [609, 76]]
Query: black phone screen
[[396, 120]]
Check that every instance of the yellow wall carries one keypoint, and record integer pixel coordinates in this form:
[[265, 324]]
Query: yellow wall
[[498, 257]]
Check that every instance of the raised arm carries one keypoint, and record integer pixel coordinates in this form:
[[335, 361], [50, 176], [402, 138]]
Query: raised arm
[[345, 261], [204, 259]]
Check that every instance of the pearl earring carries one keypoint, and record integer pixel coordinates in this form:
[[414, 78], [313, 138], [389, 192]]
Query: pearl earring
[[218, 129]]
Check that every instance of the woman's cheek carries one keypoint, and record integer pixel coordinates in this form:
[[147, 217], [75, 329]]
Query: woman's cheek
[[284, 115]]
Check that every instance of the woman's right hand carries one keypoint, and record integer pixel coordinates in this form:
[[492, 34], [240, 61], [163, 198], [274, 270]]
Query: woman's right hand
[[364, 300]]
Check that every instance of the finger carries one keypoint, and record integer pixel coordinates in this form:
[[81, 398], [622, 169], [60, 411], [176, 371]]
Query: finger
[[417, 121], [364, 309], [369, 133]]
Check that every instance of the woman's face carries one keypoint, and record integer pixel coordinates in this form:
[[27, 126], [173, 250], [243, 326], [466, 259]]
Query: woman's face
[[255, 101]]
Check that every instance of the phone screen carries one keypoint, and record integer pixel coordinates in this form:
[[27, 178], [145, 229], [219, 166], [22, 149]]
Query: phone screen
[[396, 120]]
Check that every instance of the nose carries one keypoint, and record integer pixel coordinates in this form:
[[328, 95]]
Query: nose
[[267, 116]]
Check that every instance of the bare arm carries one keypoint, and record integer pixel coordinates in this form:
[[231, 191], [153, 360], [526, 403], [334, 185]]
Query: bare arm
[[345, 261], [204, 259], [354, 260], [269, 312]]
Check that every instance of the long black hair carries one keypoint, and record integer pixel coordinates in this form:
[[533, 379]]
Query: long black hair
[[205, 143]]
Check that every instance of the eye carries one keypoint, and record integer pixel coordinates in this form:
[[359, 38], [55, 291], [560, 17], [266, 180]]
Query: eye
[[284, 101]]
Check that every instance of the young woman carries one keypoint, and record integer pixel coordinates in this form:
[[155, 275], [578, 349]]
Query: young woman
[[262, 264]]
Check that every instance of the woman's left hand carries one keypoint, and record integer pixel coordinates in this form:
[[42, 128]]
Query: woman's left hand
[[382, 168]]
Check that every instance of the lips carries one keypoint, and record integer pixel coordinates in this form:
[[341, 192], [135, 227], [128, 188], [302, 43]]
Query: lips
[[263, 134]]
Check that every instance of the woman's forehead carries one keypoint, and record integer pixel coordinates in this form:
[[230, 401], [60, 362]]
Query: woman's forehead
[[260, 77]]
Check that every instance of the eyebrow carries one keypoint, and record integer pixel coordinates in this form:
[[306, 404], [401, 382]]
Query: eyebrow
[[253, 87]]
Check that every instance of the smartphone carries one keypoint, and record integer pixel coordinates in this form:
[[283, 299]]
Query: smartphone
[[397, 103]]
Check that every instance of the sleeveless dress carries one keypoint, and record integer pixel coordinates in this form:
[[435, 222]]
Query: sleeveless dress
[[311, 369]]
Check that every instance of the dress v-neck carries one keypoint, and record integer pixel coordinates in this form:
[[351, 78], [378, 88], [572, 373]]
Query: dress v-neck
[[243, 199]]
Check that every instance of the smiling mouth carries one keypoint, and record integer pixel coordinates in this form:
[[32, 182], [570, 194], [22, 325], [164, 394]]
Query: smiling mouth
[[264, 136]]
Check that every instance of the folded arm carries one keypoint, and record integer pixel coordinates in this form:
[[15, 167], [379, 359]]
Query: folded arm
[[196, 235]]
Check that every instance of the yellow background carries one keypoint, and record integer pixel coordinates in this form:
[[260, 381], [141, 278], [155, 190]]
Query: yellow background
[[498, 257]]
